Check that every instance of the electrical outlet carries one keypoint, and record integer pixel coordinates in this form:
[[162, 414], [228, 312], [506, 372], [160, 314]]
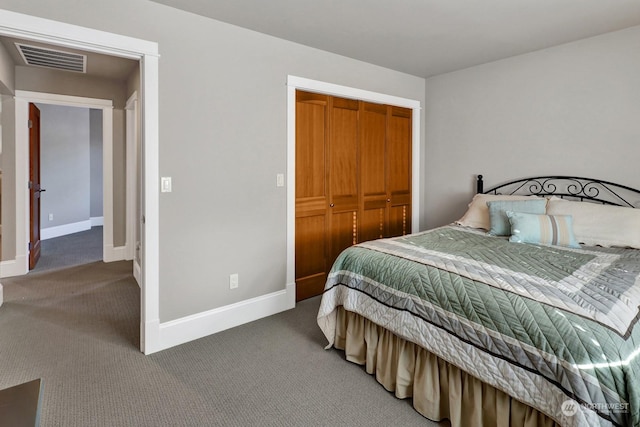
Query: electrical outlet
[[233, 281], [50, 217]]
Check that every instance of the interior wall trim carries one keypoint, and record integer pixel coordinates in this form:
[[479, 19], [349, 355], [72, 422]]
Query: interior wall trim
[[22, 167], [189, 328], [64, 229], [14, 267]]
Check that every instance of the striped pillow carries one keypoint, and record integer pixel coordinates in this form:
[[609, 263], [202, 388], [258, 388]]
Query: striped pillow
[[542, 229]]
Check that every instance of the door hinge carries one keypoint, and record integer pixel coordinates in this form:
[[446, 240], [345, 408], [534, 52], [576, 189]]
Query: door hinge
[[30, 185], [30, 124], [29, 247]]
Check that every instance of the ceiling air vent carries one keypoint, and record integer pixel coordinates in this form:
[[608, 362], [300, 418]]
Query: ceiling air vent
[[50, 58]]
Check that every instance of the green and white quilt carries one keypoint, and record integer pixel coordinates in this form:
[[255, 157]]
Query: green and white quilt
[[554, 327]]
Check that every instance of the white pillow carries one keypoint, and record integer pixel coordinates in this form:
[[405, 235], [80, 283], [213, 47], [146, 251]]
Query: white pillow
[[603, 225], [477, 216]]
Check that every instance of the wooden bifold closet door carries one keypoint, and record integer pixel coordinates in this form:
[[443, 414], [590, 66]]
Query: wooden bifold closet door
[[353, 180]]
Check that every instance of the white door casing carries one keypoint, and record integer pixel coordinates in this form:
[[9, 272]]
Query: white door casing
[[131, 123], [47, 31]]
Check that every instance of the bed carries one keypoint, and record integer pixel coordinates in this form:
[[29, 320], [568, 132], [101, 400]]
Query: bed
[[529, 325]]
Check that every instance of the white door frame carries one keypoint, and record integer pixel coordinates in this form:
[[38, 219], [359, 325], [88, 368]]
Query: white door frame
[[131, 124], [23, 98], [47, 31], [317, 86]]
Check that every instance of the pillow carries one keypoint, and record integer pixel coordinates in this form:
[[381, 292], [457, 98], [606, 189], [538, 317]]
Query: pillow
[[603, 225], [477, 216], [500, 225], [542, 229]]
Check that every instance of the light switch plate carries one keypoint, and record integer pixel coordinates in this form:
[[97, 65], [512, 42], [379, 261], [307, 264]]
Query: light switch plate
[[280, 180], [165, 184]]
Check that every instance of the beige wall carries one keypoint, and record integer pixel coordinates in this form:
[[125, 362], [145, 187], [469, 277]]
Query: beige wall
[[223, 139], [7, 80], [7, 152], [119, 179], [569, 110], [73, 84], [95, 150], [8, 213]]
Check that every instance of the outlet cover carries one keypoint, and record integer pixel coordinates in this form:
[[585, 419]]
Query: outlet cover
[[233, 281]]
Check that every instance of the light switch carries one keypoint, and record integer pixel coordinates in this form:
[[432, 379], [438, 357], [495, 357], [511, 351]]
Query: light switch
[[165, 184], [280, 180]]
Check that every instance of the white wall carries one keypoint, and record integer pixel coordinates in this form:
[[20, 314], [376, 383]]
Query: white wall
[[223, 139], [64, 165], [571, 110]]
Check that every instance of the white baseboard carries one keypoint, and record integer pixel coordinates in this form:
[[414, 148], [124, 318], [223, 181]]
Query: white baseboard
[[63, 230], [14, 267], [200, 325], [111, 253], [96, 221], [137, 272], [74, 227]]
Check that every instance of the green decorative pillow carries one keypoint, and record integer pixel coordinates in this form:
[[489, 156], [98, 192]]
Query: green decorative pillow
[[542, 229], [500, 225]]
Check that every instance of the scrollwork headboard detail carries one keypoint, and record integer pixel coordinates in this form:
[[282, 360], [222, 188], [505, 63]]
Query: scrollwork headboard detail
[[569, 187]]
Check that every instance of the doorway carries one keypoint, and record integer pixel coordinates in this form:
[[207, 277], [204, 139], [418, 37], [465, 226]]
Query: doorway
[[38, 29], [23, 100], [71, 214]]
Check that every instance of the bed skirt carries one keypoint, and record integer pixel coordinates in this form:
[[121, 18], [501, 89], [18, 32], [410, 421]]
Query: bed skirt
[[439, 390]]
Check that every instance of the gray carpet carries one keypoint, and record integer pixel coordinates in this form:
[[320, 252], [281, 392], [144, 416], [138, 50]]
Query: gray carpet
[[73, 249], [78, 329]]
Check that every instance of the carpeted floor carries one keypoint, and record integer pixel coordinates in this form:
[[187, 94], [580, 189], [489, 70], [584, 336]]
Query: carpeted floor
[[78, 329], [73, 249]]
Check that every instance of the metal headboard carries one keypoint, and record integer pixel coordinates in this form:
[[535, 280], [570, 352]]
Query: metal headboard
[[571, 187]]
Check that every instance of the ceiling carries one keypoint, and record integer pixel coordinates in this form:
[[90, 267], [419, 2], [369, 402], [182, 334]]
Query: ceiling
[[423, 37]]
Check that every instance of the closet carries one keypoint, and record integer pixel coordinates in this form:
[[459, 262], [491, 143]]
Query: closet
[[353, 180]]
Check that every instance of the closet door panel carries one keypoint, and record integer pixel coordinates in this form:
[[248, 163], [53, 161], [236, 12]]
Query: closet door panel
[[343, 149], [399, 161], [400, 220], [373, 222], [373, 166], [311, 270], [311, 244], [310, 149], [342, 175], [343, 233], [373, 149]]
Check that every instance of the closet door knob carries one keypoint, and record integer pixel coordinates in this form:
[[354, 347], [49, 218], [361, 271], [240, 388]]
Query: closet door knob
[[331, 205]]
